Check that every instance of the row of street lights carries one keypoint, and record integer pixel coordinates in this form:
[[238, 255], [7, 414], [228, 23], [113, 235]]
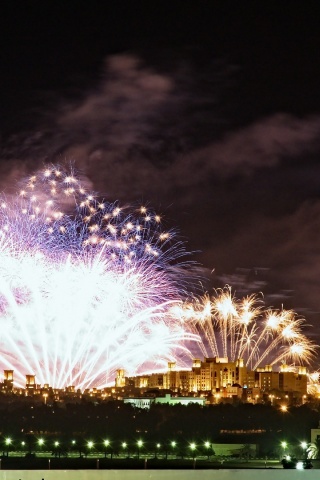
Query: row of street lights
[[90, 446], [107, 444]]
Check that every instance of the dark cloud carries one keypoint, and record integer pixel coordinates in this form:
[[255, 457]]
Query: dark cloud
[[120, 134], [261, 144], [241, 195], [289, 247]]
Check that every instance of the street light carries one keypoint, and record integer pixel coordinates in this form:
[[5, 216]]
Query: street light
[[40, 443], [172, 445], [139, 443], [193, 449], [90, 445], [73, 446], [158, 446], [304, 446], [208, 447], [8, 442], [124, 445], [284, 446], [57, 450], [106, 444]]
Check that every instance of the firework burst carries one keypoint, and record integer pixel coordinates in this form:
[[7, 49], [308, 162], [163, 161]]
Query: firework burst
[[86, 287], [245, 329]]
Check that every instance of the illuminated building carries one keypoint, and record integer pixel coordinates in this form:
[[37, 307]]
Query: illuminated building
[[267, 379], [223, 379], [146, 402], [8, 380], [290, 381], [120, 379]]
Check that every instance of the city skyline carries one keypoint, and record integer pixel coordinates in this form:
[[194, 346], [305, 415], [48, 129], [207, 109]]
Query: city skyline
[[212, 379]]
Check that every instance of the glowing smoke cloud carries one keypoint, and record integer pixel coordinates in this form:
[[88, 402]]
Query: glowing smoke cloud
[[85, 291]]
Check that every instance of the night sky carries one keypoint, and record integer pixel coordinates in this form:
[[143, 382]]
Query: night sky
[[208, 111]]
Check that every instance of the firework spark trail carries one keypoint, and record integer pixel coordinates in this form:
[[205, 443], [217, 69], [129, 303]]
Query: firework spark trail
[[200, 312], [85, 286], [244, 329], [225, 309], [271, 324], [287, 333], [249, 311]]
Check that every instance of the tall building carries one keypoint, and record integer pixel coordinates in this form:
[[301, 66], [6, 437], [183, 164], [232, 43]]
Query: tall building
[[120, 378], [30, 384], [8, 380]]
